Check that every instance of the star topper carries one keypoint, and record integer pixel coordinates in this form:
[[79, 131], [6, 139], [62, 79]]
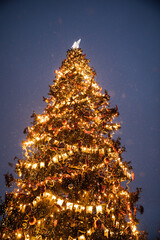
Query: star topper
[[76, 44]]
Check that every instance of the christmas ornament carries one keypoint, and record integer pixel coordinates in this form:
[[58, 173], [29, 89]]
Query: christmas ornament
[[55, 223], [35, 187], [32, 220], [70, 186]]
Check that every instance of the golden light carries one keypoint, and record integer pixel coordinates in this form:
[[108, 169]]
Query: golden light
[[82, 237], [19, 235], [34, 166], [42, 118], [39, 222], [21, 206], [69, 205], [76, 206], [42, 164], [37, 138], [60, 202], [55, 159], [101, 151], [38, 198], [134, 228], [27, 143], [89, 232], [46, 194], [28, 165], [113, 218], [82, 207], [34, 202], [27, 237], [111, 233], [99, 209], [106, 231], [117, 224], [89, 209], [53, 197]]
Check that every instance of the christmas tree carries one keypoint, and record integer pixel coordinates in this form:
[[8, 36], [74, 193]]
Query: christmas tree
[[71, 174]]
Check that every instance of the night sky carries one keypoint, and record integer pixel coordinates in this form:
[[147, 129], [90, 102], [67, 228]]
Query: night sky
[[122, 40]]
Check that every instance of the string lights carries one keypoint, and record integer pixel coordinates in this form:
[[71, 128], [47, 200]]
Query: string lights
[[69, 184]]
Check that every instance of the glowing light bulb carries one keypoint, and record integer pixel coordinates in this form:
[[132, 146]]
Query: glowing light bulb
[[19, 235], [39, 222], [113, 217], [134, 229], [89, 209], [34, 166], [69, 205], [53, 197], [27, 237], [34, 202], [76, 206], [29, 164], [106, 231], [82, 237], [60, 202], [117, 224], [46, 194], [55, 159], [99, 209], [42, 164], [89, 232]]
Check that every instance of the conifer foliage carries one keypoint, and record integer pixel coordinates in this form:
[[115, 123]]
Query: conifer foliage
[[69, 180]]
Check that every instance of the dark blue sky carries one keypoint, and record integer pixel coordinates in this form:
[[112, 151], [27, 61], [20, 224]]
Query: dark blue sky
[[122, 39]]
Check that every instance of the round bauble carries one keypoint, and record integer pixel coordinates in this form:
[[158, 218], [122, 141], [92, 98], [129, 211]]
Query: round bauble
[[70, 186], [32, 220], [35, 187]]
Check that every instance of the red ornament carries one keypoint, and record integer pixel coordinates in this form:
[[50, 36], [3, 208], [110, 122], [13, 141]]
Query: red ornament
[[103, 188], [133, 176], [32, 221], [106, 161], [35, 187], [55, 223], [135, 210], [128, 206]]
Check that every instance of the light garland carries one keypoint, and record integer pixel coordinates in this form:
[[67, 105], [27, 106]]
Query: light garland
[[72, 167]]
